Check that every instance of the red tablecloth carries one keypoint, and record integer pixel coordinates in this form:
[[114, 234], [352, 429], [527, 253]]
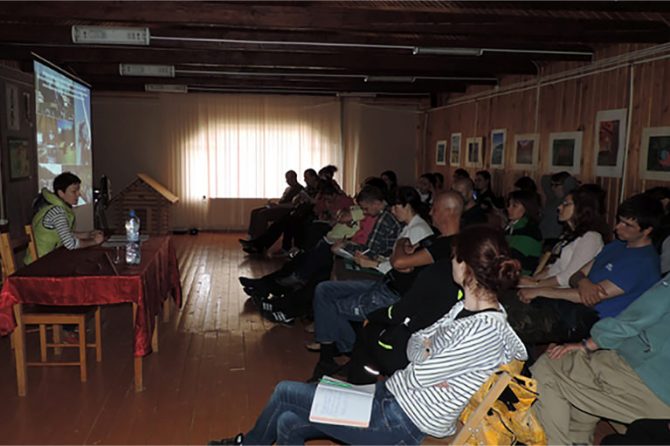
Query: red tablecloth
[[88, 277]]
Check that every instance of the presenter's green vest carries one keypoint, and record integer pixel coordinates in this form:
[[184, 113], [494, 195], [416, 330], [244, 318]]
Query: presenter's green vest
[[46, 240]]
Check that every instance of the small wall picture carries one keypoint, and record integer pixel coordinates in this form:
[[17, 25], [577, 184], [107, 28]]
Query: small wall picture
[[565, 152], [19, 158], [13, 117], [498, 137], [655, 154], [526, 148], [455, 150], [473, 152], [441, 153], [609, 142]]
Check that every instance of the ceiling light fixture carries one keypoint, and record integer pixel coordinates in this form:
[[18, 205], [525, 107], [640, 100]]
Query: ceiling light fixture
[[110, 35], [420, 50], [129, 69], [166, 88]]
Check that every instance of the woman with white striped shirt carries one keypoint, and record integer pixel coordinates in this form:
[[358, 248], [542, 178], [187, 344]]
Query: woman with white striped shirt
[[449, 361]]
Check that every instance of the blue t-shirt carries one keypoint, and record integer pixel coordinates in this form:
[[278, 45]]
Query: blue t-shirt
[[634, 270]]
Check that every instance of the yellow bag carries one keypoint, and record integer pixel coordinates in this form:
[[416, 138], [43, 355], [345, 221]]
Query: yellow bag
[[509, 419]]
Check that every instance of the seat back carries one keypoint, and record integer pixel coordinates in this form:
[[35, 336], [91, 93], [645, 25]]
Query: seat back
[[6, 255], [32, 247]]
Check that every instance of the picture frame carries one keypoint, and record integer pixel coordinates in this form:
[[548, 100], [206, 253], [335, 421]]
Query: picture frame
[[473, 152], [441, 153], [655, 154], [525, 151], [455, 150], [498, 138], [12, 107], [565, 152], [19, 158], [609, 142]]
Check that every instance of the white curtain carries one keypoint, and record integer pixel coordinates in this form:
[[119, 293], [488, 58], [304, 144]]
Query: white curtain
[[224, 147]]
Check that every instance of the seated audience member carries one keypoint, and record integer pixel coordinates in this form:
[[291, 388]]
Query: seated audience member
[[328, 173], [391, 181], [309, 268], [336, 303], [54, 220], [485, 196], [448, 362], [381, 344], [555, 187], [439, 182], [260, 217], [584, 235], [527, 183], [605, 286], [472, 213], [620, 373], [459, 174], [662, 238], [426, 187], [523, 233]]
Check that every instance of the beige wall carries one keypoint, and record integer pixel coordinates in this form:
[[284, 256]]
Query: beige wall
[[128, 138]]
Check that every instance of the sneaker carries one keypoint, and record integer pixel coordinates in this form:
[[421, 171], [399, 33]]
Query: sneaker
[[237, 439], [309, 328], [70, 337], [278, 317], [313, 347], [292, 282]]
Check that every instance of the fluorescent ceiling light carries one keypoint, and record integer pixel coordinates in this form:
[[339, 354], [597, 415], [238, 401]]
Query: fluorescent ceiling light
[[110, 35], [447, 51], [407, 79], [128, 69], [353, 94], [166, 88]]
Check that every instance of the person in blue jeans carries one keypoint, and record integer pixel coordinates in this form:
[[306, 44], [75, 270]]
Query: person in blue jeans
[[449, 361]]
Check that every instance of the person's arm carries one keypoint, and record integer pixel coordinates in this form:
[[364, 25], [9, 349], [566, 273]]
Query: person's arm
[[56, 219], [606, 290], [585, 249], [400, 260]]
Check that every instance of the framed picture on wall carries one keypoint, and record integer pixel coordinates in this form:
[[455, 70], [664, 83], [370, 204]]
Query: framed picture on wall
[[473, 149], [655, 154], [19, 158], [441, 153], [498, 137], [565, 152], [526, 149], [455, 150], [609, 142]]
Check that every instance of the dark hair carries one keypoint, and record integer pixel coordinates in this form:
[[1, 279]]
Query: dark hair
[[461, 173], [526, 183], [588, 211], [328, 170], [644, 209], [484, 174], [528, 200], [64, 180], [327, 187], [376, 182], [393, 178], [310, 172], [406, 195], [431, 178], [486, 253], [439, 178], [370, 193], [659, 193], [560, 177]]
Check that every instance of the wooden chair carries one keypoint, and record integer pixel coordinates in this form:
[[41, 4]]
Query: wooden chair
[[56, 317]]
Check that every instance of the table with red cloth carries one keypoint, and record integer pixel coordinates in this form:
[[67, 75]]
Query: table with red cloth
[[90, 277]]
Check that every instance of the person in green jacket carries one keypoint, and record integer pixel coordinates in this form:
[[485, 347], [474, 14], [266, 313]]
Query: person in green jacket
[[620, 373], [523, 232], [54, 220]]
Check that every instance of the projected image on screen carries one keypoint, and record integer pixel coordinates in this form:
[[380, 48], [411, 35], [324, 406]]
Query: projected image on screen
[[63, 109]]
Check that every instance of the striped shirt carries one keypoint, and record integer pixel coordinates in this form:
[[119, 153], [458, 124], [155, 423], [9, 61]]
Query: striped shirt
[[461, 353], [56, 218]]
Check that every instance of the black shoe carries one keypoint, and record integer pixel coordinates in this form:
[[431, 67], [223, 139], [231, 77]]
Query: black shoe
[[292, 281], [323, 368], [248, 282], [278, 317], [237, 439]]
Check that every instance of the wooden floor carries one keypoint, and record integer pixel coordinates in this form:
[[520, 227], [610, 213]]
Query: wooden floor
[[217, 365]]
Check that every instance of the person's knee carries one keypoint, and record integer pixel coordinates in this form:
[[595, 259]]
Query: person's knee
[[288, 425]]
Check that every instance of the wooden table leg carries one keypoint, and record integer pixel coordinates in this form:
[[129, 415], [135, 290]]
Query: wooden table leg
[[154, 335], [18, 335], [167, 309], [139, 385]]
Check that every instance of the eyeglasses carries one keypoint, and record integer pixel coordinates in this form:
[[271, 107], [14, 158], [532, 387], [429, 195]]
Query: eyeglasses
[[556, 184], [567, 203]]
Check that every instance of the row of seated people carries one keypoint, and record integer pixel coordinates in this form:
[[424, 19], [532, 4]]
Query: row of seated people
[[425, 306]]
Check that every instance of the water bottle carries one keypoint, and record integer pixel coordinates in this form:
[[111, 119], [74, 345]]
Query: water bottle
[[133, 252]]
